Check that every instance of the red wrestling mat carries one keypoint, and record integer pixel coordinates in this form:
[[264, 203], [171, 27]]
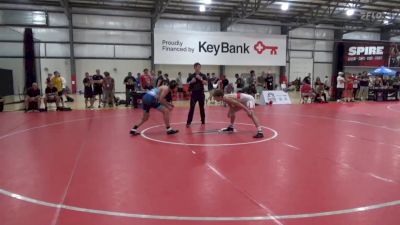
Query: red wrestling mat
[[336, 164]]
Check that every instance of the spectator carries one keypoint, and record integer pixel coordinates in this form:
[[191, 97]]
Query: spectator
[[88, 92], [396, 85], [108, 89], [224, 82], [364, 87], [251, 90], [160, 79], [98, 86], [153, 78], [386, 82], [260, 84], [49, 78], [146, 80], [211, 81], [307, 79], [32, 96], [51, 96], [251, 79], [138, 84], [269, 82], [239, 82], [58, 83], [355, 86], [180, 85], [327, 83], [340, 86], [166, 79], [65, 91], [348, 94], [378, 83], [320, 91], [229, 89], [129, 82]]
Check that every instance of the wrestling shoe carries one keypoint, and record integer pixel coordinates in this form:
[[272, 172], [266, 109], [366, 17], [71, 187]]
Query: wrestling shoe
[[259, 135], [134, 132], [229, 129], [172, 131]]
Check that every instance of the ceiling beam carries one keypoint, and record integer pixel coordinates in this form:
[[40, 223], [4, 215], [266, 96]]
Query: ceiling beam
[[66, 7], [245, 9], [160, 7]]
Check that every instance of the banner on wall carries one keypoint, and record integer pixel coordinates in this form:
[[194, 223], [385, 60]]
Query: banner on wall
[[372, 54], [219, 48], [275, 97]]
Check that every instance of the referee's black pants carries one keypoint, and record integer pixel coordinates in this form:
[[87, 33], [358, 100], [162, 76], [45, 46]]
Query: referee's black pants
[[196, 97]]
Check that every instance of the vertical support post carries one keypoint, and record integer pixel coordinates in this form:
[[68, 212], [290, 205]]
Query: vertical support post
[[223, 28], [152, 44], [68, 14], [282, 69]]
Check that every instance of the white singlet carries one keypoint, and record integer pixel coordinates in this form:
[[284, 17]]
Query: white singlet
[[245, 99]]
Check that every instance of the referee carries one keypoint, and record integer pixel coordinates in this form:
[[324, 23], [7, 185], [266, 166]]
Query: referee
[[196, 81]]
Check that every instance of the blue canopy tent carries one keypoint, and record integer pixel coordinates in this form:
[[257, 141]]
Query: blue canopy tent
[[383, 71]]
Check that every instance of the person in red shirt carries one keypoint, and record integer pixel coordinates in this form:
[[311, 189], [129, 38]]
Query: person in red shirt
[[146, 80], [348, 93]]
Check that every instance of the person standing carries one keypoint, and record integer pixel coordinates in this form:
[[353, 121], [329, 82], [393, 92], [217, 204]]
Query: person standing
[[58, 83], [145, 80], [166, 79], [88, 92], [138, 84], [340, 83], [251, 79], [160, 79], [109, 89], [180, 85], [196, 81], [239, 83], [269, 82], [356, 80], [98, 86], [364, 88], [129, 82]]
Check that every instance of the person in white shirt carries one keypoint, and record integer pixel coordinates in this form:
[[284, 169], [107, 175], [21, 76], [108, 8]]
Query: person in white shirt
[[340, 86], [237, 102]]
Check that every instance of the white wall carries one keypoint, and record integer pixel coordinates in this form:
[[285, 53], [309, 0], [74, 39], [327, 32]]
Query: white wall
[[323, 69], [230, 71], [396, 39], [17, 66], [173, 70], [359, 35], [311, 44], [122, 68], [188, 25]]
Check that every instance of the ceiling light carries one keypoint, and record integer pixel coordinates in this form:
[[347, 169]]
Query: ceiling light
[[202, 8], [285, 6], [350, 12], [207, 2]]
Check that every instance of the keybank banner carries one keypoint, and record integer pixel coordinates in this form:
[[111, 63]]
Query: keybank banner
[[219, 48]]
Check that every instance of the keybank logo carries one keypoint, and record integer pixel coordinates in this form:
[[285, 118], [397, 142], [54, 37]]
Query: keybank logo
[[225, 47], [260, 47]]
